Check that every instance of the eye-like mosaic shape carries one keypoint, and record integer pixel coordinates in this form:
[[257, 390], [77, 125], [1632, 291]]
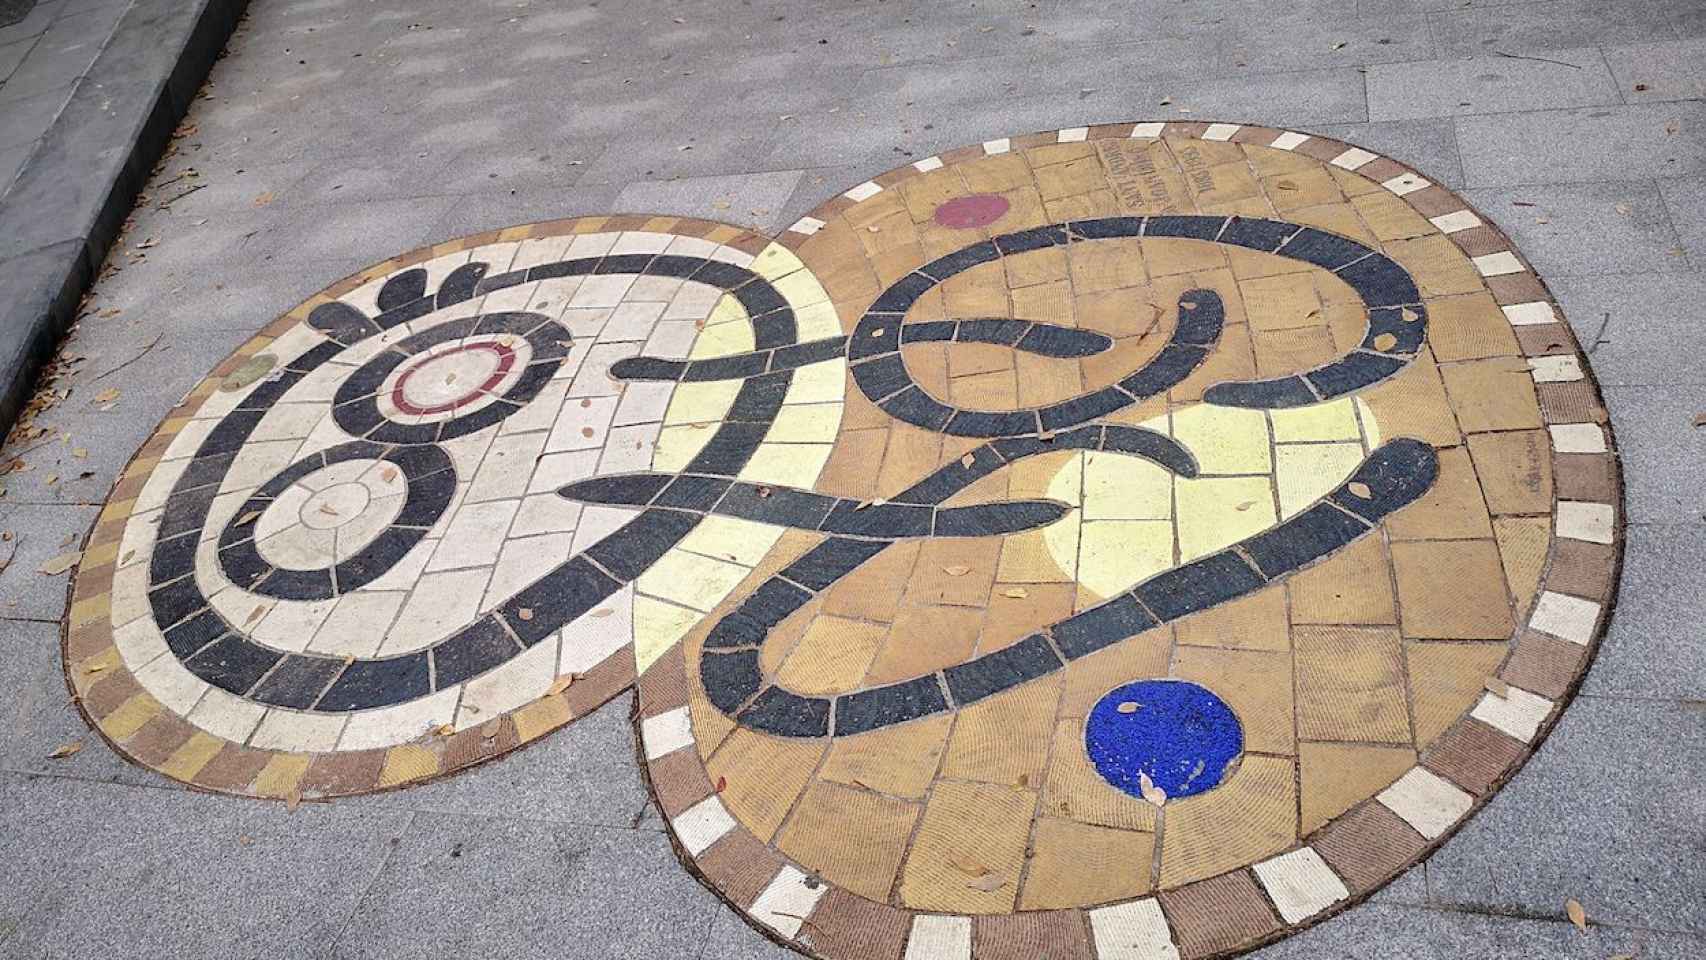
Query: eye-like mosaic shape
[[1118, 542]]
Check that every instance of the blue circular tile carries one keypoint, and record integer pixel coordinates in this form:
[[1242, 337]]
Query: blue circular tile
[[1178, 733]]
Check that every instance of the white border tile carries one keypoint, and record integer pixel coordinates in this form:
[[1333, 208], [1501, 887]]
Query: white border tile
[[1427, 802], [937, 937], [1132, 931], [1556, 368], [667, 732], [1289, 140], [1565, 617], [1518, 714], [1532, 312], [1072, 135], [1497, 264], [807, 225], [993, 147], [928, 164], [1149, 130], [1220, 131], [1577, 437], [863, 191], [1301, 884], [1353, 159], [1406, 183], [1455, 221], [702, 824], [1584, 520], [785, 904]]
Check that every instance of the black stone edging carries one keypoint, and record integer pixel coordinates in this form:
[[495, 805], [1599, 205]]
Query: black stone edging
[[72, 195]]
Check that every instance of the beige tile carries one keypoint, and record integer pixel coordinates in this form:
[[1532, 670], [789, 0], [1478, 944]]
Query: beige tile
[[1337, 776], [1350, 684], [1250, 815], [1451, 590], [1256, 684], [1075, 864], [973, 836], [853, 838]]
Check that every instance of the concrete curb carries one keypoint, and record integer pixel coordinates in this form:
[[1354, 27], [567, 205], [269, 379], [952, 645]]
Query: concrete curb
[[71, 197]]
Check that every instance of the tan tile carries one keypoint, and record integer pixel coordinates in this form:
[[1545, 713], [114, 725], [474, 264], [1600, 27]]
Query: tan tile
[[1495, 394], [994, 174], [973, 836], [1077, 864], [1144, 176], [1352, 586], [1413, 404], [1350, 684], [1280, 303], [1280, 353], [1438, 267], [1338, 776], [1106, 265], [1170, 256], [1249, 816], [912, 453], [762, 776], [1451, 590], [1255, 622], [1390, 217], [998, 390], [954, 572], [1270, 162], [1090, 677], [1515, 470], [1452, 509], [978, 292], [1445, 680], [1302, 187], [899, 760], [861, 594], [832, 656], [1081, 175], [848, 472], [1004, 739], [924, 639], [1231, 360], [1256, 684], [852, 838], [1469, 327], [1074, 790], [1339, 218], [1017, 610], [923, 194]]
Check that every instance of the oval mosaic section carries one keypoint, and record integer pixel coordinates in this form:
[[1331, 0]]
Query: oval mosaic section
[[1128, 541]]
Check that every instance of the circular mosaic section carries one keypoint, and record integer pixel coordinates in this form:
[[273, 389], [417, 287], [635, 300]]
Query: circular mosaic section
[[1129, 541]]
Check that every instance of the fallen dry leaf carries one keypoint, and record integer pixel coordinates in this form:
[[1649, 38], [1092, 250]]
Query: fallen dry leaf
[[248, 518], [1151, 792], [988, 883], [443, 730], [1578, 916], [956, 570], [1128, 706], [1497, 688], [108, 395], [722, 784], [65, 750], [293, 800], [1016, 593], [967, 460], [61, 563], [1360, 489], [263, 199], [601, 612], [560, 684], [1385, 341], [525, 613]]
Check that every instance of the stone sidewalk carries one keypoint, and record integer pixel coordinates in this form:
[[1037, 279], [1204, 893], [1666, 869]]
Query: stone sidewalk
[[338, 134]]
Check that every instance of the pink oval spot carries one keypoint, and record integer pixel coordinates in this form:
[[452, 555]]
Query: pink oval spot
[[977, 210]]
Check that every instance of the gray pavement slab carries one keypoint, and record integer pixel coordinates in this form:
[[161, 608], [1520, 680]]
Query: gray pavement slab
[[1642, 329], [1663, 70], [1472, 86], [1543, 28], [1429, 145], [1423, 933], [1661, 451], [1629, 223], [1652, 648], [1685, 200], [1638, 142]]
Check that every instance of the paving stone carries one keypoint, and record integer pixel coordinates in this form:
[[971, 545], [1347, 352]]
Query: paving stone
[[1657, 71], [1543, 28], [1639, 326], [1659, 451], [1659, 598], [1686, 209], [1405, 931], [753, 199], [1574, 146], [1632, 230], [1483, 85]]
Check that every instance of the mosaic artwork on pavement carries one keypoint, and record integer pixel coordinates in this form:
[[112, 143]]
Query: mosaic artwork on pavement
[[1131, 541]]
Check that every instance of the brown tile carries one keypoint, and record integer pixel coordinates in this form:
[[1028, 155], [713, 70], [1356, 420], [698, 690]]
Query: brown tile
[[1582, 569], [1045, 935], [1585, 476], [477, 744], [1522, 287], [1452, 509], [739, 866], [1570, 402], [1451, 590], [1351, 586], [1545, 339], [1515, 470], [1251, 815], [971, 832], [1254, 622], [1473, 755], [1495, 394], [158, 739], [1212, 916], [1544, 665], [899, 760], [678, 781], [1445, 681], [232, 769], [595, 688], [1469, 327], [1077, 864], [1434, 200], [344, 773], [1004, 739], [1480, 241], [1254, 683], [844, 925], [1368, 845], [108, 693], [1350, 684], [853, 838], [1337, 776]]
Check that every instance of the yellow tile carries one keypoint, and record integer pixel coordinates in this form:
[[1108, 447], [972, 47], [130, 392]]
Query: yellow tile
[[762, 776], [973, 836], [1035, 556], [775, 262], [1106, 265], [787, 464], [993, 174], [1353, 585], [1225, 440], [815, 322], [1337, 776], [1280, 303], [1451, 590], [407, 763], [1390, 217], [1005, 738], [1451, 509], [1089, 678], [1523, 542], [1350, 684], [658, 626], [1071, 178], [1256, 684], [1254, 622], [805, 423], [1413, 404], [539, 718], [1215, 512], [1120, 487], [832, 656], [726, 332], [279, 778], [187, 760], [925, 639], [856, 596], [1249, 816], [1469, 327], [1224, 183], [690, 580], [1446, 679], [1337, 218], [899, 760], [1515, 470], [1169, 256], [1495, 394], [677, 446], [1304, 187], [703, 402], [129, 716], [1333, 420], [1437, 265], [1305, 472], [852, 838], [1114, 555], [731, 538], [1075, 865]]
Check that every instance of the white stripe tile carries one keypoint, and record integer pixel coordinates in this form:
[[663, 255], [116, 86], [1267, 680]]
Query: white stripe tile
[[928, 164], [1565, 617], [1593, 522], [1132, 931], [1072, 135], [807, 225], [1426, 802], [1535, 311], [1455, 221], [788, 901], [992, 147], [1301, 884], [1147, 129], [1559, 368], [1497, 264], [1578, 437], [1220, 131], [666, 732], [939, 938], [1405, 183], [702, 824], [1353, 158], [863, 191], [1289, 140], [1518, 714]]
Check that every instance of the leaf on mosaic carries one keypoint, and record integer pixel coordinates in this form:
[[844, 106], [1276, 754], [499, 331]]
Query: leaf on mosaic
[[1151, 793], [562, 683], [1497, 687]]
